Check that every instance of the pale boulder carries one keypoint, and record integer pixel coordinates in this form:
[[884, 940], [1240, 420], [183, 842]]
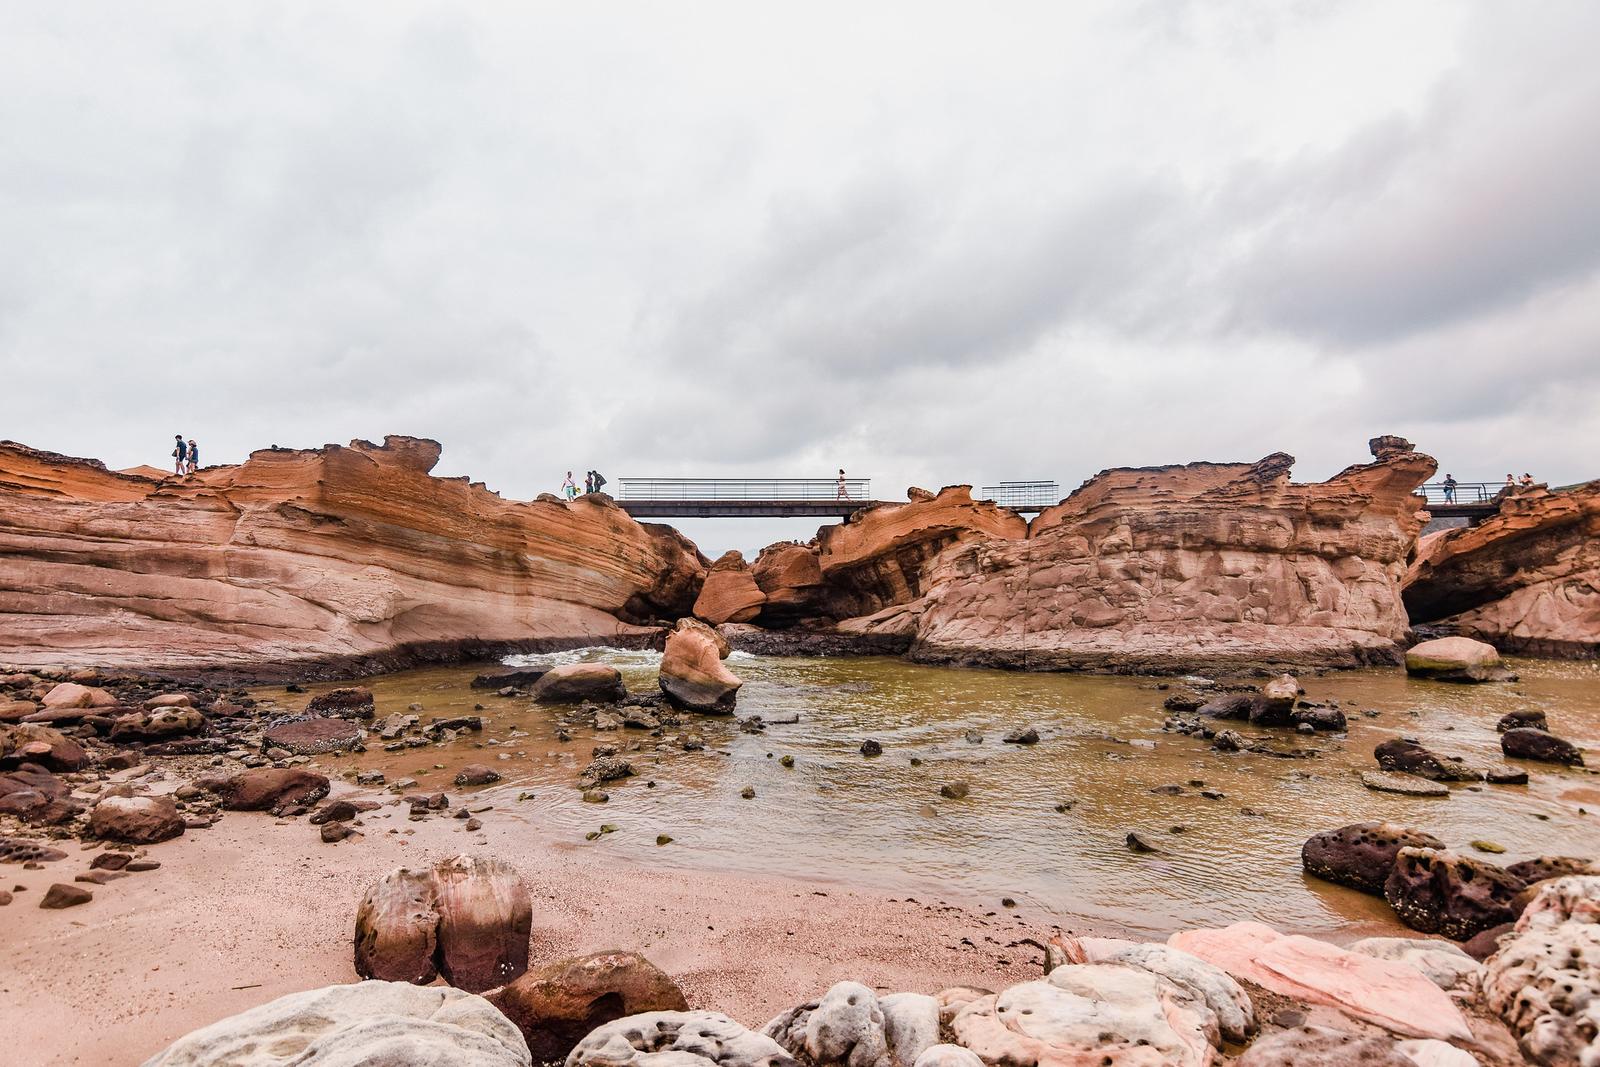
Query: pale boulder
[[73, 695], [1455, 659], [573, 683], [677, 1039], [390, 1023]]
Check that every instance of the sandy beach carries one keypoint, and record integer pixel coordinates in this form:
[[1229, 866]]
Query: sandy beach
[[251, 909]]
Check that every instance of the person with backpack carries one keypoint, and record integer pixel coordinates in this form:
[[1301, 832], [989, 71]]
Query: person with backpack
[[599, 481]]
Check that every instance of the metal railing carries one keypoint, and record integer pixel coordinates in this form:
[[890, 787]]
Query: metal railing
[[1022, 494], [744, 489], [1466, 492]]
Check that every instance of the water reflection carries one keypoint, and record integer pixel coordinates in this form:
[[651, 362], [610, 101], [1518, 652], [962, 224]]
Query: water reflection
[[1044, 823]]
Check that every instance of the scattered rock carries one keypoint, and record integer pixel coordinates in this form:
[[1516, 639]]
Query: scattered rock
[[280, 790], [351, 702], [334, 811], [851, 1025], [158, 724], [574, 683], [365, 1024], [60, 895], [1025, 736], [1137, 843], [604, 769], [1440, 892], [1317, 1046], [508, 676], [1526, 742], [73, 695], [1456, 659], [25, 850], [1531, 718], [476, 774], [677, 1039], [138, 820], [1361, 855], [870, 747], [1405, 784], [45, 746], [334, 832], [1408, 757], [557, 1005], [956, 790], [308, 736]]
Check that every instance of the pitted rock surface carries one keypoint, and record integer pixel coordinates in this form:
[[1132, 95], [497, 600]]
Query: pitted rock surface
[[1362, 854]]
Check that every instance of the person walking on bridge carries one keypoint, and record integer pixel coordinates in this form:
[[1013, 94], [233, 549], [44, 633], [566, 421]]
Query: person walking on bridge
[[1449, 488], [844, 490]]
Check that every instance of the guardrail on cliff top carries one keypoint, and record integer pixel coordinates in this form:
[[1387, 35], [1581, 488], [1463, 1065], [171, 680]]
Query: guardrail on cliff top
[[763, 489], [1024, 496], [1466, 492]]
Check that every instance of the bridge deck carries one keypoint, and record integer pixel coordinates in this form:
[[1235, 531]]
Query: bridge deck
[[743, 509]]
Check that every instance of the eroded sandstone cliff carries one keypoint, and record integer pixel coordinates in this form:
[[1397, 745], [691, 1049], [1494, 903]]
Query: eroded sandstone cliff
[[1526, 580], [296, 556], [1159, 568]]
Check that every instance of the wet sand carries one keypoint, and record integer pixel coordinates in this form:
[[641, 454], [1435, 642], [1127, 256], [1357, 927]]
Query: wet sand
[[252, 909]]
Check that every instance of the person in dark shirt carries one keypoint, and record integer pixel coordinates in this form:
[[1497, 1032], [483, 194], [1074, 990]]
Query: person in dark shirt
[[180, 454]]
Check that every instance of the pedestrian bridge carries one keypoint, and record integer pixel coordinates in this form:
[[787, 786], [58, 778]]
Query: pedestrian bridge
[[737, 498], [1473, 501]]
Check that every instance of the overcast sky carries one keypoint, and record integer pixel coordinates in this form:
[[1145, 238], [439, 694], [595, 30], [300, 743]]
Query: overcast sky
[[929, 243]]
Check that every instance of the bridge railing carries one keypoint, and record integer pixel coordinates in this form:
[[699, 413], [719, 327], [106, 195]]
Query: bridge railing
[[743, 489], [1022, 494], [1466, 492]]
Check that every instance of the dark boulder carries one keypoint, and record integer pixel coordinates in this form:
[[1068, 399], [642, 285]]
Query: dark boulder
[[1525, 742], [42, 745], [1440, 892], [351, 702], [280, 790], [1399, 754], [558, 1004], [512, 676], [1361, 855], [1531, 718], [36, 796], [313, 735], [137, 820]]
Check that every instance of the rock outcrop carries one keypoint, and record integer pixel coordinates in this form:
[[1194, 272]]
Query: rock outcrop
[[730, 592], [1140, 569], [692, 674], [1526, 580], [1362, 854], [298, 557], [388, 1023], [1544, 982]]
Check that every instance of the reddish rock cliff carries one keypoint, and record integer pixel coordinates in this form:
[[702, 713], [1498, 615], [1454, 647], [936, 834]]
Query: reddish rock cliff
[[1160, 568], [302, 555], [1526, 580]]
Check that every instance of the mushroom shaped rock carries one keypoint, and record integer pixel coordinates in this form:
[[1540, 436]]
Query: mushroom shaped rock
[[730, 592], [1088, 1015], [137, 820], [1318, 1046], [557, 1004], [1362, 854], [1544, 982], [1391, 995], [573, 683], [677, 1039], [692, 674], [389, 1023], [467, 919], [1456, 659], [1439, 892]]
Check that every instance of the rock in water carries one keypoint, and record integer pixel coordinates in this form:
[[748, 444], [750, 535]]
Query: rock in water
[[477, 774], [692, 674], [467, 919], [1362, 854], [351, 702], [1456, 659], [558, 1004], [573, 683], [362, 1025], [139, 820], [1088, 1014], [1544, 982], [730, 592], [1404, 784], [1440, 892], [1525, 742], [1317, 1046], [1408, 757], [677, 1039], [1529, 717]]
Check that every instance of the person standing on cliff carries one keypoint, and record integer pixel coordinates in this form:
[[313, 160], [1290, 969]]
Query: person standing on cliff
[[599, 481], [844, 490], [1527, 480], [1449, 488], [180, 454], [569, 488], [588, 482], [194, 456]]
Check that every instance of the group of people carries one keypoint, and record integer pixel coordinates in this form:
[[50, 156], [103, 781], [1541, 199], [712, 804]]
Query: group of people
[[1512, 482], [593, 482], [185, 457]]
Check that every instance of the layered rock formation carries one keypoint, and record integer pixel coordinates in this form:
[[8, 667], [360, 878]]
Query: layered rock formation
[[298, 556], [1140, 569], [1526, 580]]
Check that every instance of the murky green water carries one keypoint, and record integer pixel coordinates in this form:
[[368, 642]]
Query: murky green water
[[881, 821]]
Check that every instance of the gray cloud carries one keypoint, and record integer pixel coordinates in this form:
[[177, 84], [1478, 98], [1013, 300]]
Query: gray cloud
[[926, 247]]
